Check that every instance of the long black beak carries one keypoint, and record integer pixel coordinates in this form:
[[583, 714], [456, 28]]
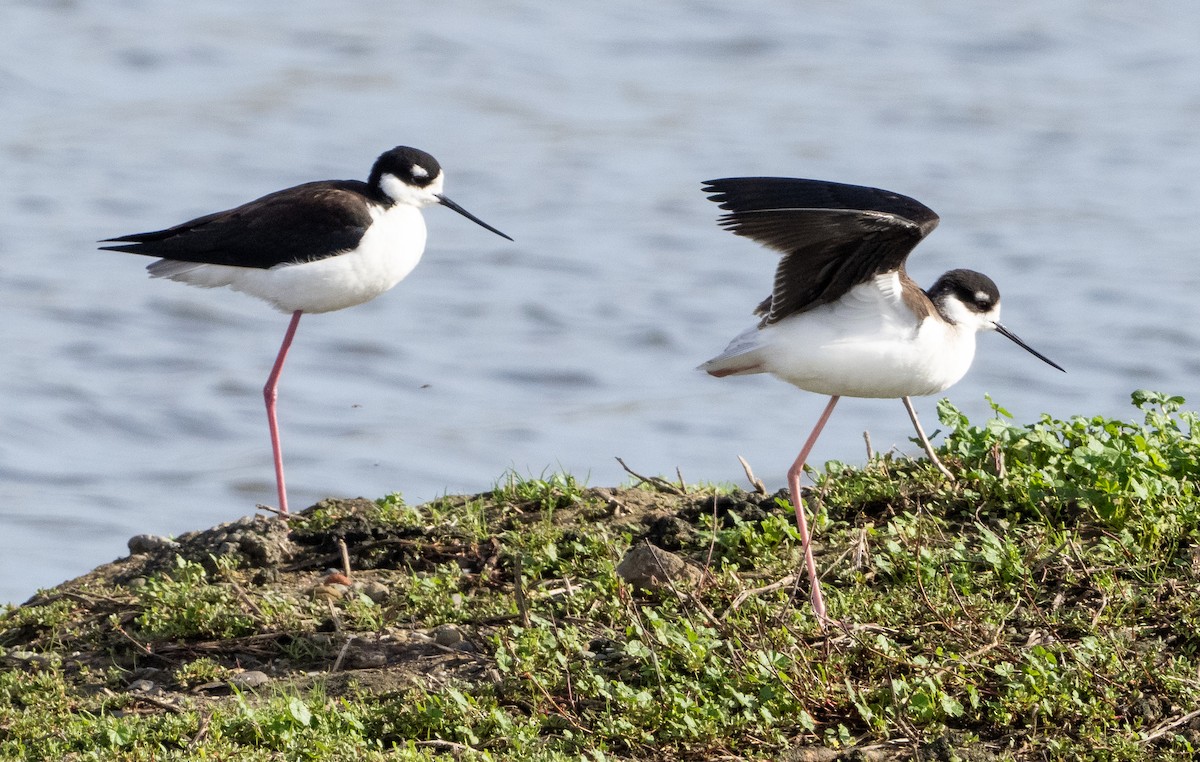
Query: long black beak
[[1016, 340], [450, 204]]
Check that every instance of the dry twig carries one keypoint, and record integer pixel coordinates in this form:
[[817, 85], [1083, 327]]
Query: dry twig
[[337, 664], [747, 594], [345, 556], [712, 543], [285, 516], [655, 481], [1166, 727], [759, 487], [519, 590]]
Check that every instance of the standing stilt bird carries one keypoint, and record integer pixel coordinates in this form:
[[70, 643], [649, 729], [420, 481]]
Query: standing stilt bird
[[844, 318], [316, 247]]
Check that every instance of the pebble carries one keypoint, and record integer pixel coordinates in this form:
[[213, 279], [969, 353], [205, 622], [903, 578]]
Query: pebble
[[376, 591], [149, 543], [652, 568], [365, 657], [29, 658], [249, 679], [447, 635], [329, 592]]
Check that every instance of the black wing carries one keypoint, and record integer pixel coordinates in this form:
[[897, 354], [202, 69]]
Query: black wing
[[833, 236], [300, 224]]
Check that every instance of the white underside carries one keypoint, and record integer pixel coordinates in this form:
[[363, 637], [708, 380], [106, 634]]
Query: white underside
[[387, 253], [866, 344]]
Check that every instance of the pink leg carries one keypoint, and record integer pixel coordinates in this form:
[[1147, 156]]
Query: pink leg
[[270, 394], [793, 475]]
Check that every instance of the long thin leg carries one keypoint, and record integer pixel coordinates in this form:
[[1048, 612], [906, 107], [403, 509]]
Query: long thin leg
[[793, 475], [912, 413], [270, 394]]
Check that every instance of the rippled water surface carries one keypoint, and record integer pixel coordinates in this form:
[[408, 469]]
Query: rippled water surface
[[1058, 142]]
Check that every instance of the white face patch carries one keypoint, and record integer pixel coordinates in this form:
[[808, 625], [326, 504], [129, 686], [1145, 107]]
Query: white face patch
[[967, 316], [403, 193], [419, 171], [981, 296]]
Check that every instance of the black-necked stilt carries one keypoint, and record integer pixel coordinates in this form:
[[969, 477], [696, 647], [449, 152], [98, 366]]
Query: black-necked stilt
[[844, 318], [317, 247]]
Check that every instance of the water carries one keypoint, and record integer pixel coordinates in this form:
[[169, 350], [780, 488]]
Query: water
[[1057, 141]]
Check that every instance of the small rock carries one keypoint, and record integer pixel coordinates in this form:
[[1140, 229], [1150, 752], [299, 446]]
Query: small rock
[[363, 654], [148, 673], [652, 568], [149, 543], [821, 754], [367, 660], [28, 658], [216, 685], [669, 532], [447, 635], [376, 591], [329, 592], [249, 679], [266, 576], [143, 686]]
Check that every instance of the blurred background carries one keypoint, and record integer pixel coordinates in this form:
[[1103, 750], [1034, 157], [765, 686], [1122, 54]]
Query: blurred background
[[1058, 142]]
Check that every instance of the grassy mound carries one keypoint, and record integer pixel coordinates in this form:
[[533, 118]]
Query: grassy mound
[[1044, 605]]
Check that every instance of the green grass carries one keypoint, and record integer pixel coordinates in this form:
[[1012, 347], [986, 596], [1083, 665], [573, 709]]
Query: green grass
[[1042, 606]]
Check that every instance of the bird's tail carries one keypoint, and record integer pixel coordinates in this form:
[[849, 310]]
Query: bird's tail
[[742, 357]]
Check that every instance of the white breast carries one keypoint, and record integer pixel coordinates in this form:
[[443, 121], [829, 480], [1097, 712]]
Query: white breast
[[866, 344]]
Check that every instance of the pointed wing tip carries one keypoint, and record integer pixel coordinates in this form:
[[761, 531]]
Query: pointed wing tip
[[132, 238], [131, 243], [128, 248], [716, 193]]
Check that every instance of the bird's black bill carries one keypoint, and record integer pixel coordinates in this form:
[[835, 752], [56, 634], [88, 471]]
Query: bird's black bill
[[1016, 340], [451, 205]]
